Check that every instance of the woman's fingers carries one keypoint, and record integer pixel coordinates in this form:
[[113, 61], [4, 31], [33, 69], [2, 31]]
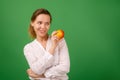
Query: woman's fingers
[[55, 38], [29, 71], [54, 32], [32, 74]]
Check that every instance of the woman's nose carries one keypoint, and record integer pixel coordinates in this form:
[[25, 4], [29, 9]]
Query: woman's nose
[[43, 26]]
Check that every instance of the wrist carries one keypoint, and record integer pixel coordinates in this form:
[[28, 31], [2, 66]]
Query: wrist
[[51, 50]]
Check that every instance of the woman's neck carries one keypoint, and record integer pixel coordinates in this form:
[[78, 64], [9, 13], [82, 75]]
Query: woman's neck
[[42, 39]]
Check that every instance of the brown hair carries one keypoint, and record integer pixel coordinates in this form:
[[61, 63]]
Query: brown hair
[[34, 16]]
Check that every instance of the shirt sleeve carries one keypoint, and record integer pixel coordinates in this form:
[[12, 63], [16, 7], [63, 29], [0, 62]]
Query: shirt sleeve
[[37, 65], [64, 62]]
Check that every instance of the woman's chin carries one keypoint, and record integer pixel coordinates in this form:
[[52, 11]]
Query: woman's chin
[[42, 35]]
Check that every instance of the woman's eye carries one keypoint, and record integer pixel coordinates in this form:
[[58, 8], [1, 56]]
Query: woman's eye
[[39, 22], [47, 23]]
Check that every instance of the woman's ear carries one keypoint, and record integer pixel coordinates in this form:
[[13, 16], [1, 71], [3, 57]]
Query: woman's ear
[[31, 23]]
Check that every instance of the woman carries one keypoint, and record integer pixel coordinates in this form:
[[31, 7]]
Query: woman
[[46, 55]]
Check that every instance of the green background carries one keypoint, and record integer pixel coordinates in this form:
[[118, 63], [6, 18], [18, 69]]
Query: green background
[[92, 32]]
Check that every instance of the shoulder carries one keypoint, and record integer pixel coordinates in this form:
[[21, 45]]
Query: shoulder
[[62, 42], [29, 45]]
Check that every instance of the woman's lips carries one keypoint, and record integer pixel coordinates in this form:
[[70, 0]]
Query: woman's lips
[[42, 31]]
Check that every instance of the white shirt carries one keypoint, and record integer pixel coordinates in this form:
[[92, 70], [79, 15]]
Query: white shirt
[[54, 67]]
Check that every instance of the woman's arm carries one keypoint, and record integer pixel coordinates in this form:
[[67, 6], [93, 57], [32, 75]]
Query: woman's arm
[[37, 65], [64, 62], [34, 75]]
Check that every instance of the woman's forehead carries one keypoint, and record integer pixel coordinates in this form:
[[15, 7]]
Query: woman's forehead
[[43, 17]]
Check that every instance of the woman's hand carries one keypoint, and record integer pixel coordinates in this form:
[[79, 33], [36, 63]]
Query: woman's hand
[[33, 75], [54, 38], [55, 41]]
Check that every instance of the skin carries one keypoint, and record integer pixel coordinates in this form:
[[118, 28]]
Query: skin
[[41, 26]]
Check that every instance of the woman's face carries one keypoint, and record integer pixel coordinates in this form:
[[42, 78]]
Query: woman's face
[[41, 25]]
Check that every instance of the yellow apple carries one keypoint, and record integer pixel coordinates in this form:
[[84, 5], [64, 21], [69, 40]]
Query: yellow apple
[[60, 34]]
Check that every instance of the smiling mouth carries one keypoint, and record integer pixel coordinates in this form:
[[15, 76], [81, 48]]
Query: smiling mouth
[[42, 31]]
